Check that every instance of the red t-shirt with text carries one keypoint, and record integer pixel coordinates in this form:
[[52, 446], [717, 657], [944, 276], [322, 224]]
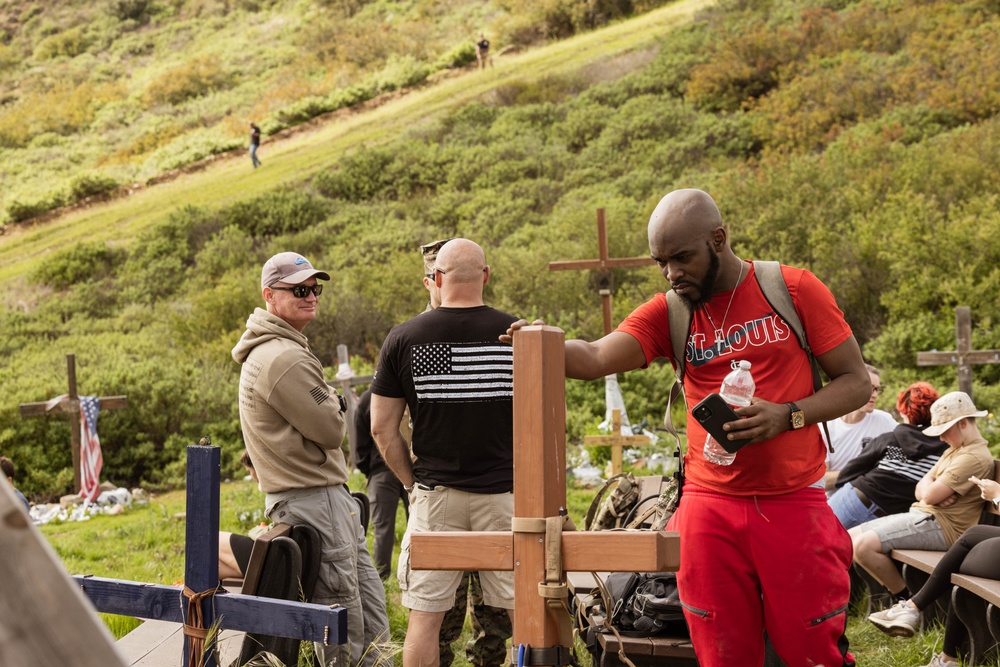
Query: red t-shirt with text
[[754, 332]]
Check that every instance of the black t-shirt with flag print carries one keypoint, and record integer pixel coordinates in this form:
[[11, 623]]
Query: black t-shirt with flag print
[[458, 380]]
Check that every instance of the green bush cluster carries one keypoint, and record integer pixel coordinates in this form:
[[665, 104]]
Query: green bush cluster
[[890, 198]]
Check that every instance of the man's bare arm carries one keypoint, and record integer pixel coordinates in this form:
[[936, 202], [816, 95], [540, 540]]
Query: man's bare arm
[[615, 353], [386, 415]]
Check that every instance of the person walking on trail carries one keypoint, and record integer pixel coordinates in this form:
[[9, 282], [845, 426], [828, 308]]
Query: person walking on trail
[[254, 145], [760, 548], [293, 426], [461, 474], [483, 51]]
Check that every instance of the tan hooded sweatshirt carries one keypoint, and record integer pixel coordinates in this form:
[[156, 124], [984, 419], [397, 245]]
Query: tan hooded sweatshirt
[[292, 420]]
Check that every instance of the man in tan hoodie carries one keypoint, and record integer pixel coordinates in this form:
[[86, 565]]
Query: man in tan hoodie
[[293, 425]]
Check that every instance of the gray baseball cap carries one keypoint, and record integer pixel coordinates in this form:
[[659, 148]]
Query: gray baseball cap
[[288, 267]]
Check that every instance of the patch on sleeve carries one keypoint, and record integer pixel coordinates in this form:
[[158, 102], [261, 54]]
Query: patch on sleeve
[[320, 394]]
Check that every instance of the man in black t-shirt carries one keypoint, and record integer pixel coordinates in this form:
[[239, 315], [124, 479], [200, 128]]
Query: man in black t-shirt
[[254, 144], [449, 368]]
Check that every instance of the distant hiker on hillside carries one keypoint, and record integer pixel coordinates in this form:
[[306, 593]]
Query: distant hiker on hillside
[[254, 144], [483, 51]]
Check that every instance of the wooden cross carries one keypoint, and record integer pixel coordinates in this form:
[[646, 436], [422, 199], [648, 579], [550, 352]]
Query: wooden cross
[[70, 406], [616, 441], [231, 611], [603, 264], [964, 357], [537, 552]]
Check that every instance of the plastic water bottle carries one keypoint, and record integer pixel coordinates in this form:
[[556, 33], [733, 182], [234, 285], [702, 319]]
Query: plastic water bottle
[[737, 390]]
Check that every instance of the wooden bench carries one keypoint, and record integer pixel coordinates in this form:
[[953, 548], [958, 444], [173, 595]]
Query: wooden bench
[[976, 603]]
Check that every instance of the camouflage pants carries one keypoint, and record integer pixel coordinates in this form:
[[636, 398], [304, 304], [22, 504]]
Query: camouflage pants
[[490, 627]]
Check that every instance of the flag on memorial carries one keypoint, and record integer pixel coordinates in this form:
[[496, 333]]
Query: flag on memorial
[[91, 459], [459, 372]]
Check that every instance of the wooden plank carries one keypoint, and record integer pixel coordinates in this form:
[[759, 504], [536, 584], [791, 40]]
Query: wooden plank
[[36, 409], [582, 551], [987, 589], [924, 561], [614, 263], [45, 621], [246, 613], [160, 644]]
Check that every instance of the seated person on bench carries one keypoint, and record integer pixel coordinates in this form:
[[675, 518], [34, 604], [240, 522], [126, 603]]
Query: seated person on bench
[[976, 553], [882, 479], [947, 502], [234, 549]]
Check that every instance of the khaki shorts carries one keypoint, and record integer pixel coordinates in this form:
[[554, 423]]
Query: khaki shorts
[[442, 509]]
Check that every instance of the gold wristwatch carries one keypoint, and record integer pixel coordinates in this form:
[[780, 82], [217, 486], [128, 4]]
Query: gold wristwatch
[[795, 417]]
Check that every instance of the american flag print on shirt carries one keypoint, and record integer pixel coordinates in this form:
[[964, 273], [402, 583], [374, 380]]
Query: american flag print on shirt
[[463, 372]]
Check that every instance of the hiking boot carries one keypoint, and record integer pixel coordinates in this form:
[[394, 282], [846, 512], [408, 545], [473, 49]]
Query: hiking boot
[[938, 661], [899, 620]]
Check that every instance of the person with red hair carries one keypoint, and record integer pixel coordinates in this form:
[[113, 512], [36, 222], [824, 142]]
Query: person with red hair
[[882, 479]]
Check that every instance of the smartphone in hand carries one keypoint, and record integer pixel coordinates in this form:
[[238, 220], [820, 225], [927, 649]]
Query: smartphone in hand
[[712, 412]]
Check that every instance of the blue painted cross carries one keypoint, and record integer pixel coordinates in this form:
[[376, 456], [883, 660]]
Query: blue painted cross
[[230, 611]]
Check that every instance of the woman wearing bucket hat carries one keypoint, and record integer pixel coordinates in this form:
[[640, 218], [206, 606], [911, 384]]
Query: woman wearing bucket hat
[[948, 502]]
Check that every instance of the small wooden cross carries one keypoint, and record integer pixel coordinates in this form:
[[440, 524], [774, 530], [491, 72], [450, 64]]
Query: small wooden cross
[[537, 550], [603, 264], [616, 441], [69, 405], [964, 357]]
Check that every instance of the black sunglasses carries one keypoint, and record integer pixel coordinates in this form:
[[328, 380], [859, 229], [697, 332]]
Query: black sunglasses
[[301, 291]]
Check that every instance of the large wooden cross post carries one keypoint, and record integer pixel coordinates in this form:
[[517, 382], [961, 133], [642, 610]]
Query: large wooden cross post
[[964, 356], [70, 405], [231, 611], [603, 263], [537, 550]]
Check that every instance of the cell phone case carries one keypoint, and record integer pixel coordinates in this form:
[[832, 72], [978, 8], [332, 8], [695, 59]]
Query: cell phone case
[[712, 412]]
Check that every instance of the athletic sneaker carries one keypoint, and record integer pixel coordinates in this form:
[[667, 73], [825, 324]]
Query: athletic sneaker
[[938, 661], [899, 620]]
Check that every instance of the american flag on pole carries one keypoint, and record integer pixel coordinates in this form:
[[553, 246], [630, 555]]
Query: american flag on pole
[[463, 372], [91, 459]]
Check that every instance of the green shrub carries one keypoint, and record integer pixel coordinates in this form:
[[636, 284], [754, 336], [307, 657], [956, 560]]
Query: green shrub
[[195, 78], [400, 72], [278, 212], [459, 55], [20, 210], [361, 176], [80, 263], [69, 43], [88, 185]]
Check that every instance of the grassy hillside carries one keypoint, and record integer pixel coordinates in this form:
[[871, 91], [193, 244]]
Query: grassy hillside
[[104, 97], [832, 136]]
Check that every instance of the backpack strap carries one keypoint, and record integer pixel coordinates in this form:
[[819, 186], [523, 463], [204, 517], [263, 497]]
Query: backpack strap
[[772, 284]]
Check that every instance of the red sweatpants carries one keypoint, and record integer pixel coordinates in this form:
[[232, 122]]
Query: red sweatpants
[[756, 563]]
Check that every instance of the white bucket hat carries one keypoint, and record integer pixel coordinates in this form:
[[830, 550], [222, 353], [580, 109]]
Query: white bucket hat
[[949, 410]]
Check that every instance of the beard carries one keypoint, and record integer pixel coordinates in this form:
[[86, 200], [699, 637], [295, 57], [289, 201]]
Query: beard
[[706, 288]]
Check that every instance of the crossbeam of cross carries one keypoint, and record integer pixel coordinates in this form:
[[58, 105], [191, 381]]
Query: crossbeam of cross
[[964, 357]]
